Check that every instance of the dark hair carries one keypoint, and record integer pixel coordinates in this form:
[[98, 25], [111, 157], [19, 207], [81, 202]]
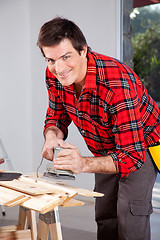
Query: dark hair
[[58, 29]]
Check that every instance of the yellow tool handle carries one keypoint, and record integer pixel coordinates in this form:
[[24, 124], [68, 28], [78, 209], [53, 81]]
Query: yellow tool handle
[[155, 153]]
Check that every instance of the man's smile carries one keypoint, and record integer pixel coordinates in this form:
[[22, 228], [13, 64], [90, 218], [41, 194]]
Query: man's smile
[[65, 74]]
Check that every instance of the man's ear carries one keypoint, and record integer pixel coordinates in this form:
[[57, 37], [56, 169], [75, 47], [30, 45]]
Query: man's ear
[[84, 51]]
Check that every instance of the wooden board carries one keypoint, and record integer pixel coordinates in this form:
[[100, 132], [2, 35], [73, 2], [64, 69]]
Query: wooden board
[[72, 203], [17, 201], [15, 235], [41, 195], [9, 197], [34, 186], [63, 186], [46, 203], [37, 186], [23, 185], [8, 228], [80, 191]]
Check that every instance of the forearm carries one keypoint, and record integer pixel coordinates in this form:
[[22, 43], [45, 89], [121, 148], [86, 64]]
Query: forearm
[[104, 164]]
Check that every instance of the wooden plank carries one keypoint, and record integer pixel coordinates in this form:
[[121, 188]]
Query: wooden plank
[[6, 235], [9, 196], [35, 186], [64, 187], [15, 235], [44, 203], [22, 219], [8, 228], [54, 186], [23, 234], [55, 227], [43, 230], [17, 201], [31, 221], [72, 203], [88, 193], [27, 220], [25, 186]]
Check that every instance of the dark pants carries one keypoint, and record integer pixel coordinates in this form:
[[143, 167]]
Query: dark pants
[[124, 212]]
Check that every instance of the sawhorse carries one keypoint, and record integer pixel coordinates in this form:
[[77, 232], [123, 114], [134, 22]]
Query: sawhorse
[[47, 222], [27, 220]]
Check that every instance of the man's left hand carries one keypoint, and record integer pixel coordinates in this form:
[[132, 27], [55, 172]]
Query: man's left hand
[[69, 159]]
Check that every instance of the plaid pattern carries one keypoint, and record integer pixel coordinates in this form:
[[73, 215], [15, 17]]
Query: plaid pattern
[[114, 113]]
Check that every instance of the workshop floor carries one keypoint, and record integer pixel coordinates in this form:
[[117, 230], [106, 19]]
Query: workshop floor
[[78, 222]]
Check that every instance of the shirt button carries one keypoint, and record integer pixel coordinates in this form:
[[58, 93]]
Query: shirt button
[[82, 131]]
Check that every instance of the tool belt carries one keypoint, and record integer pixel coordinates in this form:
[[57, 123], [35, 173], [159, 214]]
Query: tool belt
[[154, 151]]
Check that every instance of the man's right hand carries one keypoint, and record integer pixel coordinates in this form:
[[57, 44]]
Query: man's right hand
[[53, 137]]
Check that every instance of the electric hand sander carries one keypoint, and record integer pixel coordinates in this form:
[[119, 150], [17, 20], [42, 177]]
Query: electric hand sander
[[57, 173]]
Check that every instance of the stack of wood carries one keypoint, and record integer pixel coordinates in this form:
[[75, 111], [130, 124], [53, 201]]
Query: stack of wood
[[39, 194]]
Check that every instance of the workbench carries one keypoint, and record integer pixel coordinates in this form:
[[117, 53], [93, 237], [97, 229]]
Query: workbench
[[33, 195]]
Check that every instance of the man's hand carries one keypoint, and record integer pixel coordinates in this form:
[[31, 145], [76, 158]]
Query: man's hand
[[53, 138], [47, 151], [69, 159]]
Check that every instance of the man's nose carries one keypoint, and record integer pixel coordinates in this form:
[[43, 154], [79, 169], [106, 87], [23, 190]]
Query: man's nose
[[59, 66]]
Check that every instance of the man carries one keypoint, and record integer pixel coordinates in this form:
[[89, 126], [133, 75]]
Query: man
[[117, 119]]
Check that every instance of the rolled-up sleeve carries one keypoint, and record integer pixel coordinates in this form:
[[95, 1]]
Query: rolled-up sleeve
[[128, 132]]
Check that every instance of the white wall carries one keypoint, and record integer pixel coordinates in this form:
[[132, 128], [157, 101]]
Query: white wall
[[22, 91], [15, 82]]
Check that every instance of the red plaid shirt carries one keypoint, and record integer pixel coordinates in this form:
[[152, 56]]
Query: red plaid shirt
[[114, 113]]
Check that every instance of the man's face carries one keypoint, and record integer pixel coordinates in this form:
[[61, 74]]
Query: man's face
[[67, 65]]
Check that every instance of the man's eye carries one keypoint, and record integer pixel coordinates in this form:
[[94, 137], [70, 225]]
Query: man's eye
[[50, 61], [66, 57]]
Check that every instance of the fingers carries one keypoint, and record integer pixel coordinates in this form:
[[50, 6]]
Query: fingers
[[69, 159], [64, 144], [48, 148], [47, 151], [47, 154], [63, 164]]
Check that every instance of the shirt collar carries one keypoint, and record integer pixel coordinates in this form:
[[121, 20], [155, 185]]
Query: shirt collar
[[90, 79]]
